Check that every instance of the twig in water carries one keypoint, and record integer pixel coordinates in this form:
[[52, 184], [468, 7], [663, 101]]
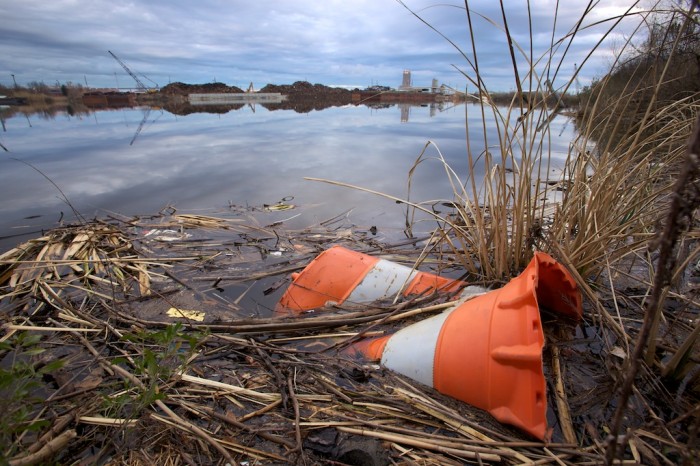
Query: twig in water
[[63, 195], [297, 416]]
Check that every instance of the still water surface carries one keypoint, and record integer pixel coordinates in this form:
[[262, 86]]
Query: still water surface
[[203, 163]]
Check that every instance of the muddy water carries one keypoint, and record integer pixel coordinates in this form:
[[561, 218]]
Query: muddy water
[[138, 161]]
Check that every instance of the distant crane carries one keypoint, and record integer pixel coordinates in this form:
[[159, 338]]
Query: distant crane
[[578, 84], [143, 122], [139, 84]]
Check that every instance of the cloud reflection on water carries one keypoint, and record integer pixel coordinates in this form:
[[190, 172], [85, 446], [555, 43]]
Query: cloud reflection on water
[[205, 161]]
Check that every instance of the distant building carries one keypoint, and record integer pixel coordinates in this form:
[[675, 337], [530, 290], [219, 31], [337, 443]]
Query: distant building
[[406, 84]]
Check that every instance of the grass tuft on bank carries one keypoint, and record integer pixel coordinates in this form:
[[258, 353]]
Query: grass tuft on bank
[[622, 215]]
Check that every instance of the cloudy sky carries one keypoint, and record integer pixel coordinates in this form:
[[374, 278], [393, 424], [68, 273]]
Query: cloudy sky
[[354, 43]]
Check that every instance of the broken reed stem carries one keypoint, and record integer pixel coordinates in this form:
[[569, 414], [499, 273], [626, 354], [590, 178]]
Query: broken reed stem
[[431, 407], [321, 336], [227, 418], [367, 329], [329, 386], [422, 310], [253, 453], [49, 329], [453, 448], [176, 421], [247, 276], [459, 424], [51, 448], [567, 425], [260, 396], [297, 416], [388, 424], [685, 199], [59, 426], [106, 421], [230, 388], [282, 385]]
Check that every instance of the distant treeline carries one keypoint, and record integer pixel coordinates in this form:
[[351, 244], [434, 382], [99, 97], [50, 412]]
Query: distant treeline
[[661, 71]]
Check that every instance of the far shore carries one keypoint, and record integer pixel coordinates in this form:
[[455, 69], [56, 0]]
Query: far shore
[[299, 95]]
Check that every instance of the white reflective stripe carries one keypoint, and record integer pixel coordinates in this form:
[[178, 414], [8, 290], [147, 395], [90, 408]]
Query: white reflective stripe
[[384, 280], [411, 350]]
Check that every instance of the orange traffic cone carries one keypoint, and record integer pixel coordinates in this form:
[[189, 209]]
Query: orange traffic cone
[[340, 275], [487, 351]]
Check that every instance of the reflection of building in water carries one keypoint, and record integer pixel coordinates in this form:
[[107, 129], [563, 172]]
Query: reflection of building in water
[[433, 108], [405, 112]]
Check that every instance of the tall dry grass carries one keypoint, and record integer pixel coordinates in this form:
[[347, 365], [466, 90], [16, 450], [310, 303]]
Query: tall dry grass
[[599, 215], [503, 216], [618, 184], [601, 212]]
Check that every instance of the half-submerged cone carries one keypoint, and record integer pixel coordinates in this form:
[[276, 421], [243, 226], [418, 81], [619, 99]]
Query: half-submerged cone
[[487, 351], [340, 275]]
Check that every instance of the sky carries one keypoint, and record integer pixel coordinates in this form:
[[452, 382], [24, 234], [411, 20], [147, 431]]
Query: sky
[[349, 43]]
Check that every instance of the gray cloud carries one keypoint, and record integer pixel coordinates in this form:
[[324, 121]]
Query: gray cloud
[[267, 41]]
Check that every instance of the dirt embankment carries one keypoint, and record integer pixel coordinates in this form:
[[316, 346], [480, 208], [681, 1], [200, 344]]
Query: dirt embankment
[[304, 97], [301, 96], [178, 88], [173, 97]]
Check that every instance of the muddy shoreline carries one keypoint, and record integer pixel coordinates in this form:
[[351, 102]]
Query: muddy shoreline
[[125, 378]]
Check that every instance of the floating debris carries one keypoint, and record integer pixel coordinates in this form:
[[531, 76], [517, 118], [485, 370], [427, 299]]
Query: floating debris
[[186, 314]]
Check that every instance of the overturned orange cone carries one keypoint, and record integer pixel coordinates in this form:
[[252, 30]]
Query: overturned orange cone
[[487, 351], [340, 275]]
